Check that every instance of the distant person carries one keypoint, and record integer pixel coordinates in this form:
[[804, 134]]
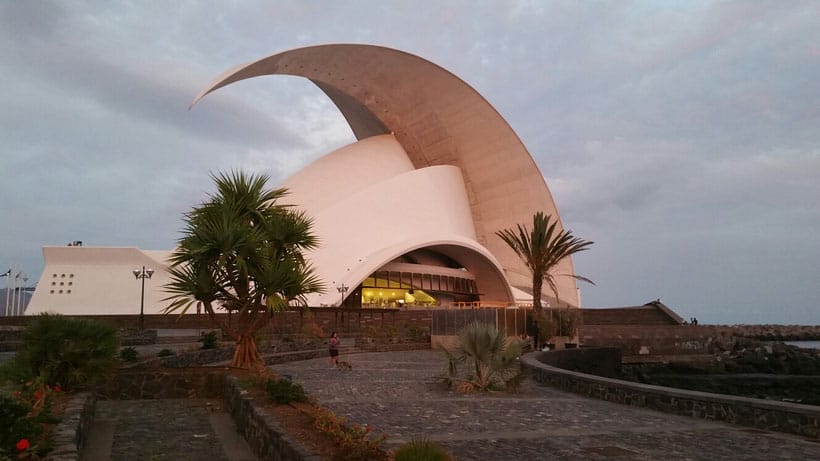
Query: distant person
[[333, 343]]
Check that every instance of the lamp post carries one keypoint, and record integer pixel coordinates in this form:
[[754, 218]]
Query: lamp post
[[342, 289], [142, 274]]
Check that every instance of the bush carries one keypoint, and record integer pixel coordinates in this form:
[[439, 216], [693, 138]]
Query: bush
[[129, 354], [166, 353], [65, 351], [22, 421], [15, 423], [284, 391], [355, 442], [493, 359], [420, 449], [209, 340]]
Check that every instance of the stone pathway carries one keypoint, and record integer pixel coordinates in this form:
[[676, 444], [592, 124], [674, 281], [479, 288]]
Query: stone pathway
[[170, 429], [397, 394]]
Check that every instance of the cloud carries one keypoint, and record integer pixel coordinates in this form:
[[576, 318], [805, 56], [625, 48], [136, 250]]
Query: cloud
[[680, 137]]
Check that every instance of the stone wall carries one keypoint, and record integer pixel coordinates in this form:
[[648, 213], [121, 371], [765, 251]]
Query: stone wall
[[392, 347], [179, 383], [645, 315], [329, 318], [600, 361], [71, 433], [655, 339], [665, 340], [792, 418], [263, 433]]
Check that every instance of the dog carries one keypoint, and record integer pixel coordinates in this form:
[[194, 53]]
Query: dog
[[342, 365]]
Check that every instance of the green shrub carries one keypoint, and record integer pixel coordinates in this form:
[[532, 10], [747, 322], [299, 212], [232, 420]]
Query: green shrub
[[23, 417], [491, 359], [166, 353], [209, 340], [15, 424], [129, 354], [16, 370], [354, 442], [65, 351], [420, 449], [284, 391]]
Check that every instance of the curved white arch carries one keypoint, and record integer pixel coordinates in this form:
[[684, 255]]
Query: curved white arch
[[438, 119]]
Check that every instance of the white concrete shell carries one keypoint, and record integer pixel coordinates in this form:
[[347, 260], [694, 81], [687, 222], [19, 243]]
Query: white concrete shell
[[370, 206], [438, 119]]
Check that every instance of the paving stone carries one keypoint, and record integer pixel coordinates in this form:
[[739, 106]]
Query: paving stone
[[397, 393], [166, 429]]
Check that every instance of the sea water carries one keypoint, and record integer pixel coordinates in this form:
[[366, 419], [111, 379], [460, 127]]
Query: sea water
[[804, 344]]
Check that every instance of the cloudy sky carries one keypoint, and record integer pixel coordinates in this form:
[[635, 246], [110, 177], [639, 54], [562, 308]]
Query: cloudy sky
[[682, 137]]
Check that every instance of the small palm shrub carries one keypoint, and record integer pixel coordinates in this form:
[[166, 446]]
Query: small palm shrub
[[491, 360], [129, 354], [284, 391], [420, 449], [165, 353], [66, 351], [209, 340]]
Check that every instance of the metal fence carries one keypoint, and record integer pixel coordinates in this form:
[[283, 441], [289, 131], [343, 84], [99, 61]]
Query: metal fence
[[513, 321]]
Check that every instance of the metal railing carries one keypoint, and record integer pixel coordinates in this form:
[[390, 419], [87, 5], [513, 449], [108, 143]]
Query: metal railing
[[511, 320]]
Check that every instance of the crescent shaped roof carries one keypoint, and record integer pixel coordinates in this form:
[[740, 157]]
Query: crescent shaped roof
[[439, 120]]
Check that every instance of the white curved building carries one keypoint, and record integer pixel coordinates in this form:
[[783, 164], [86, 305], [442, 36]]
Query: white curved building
[[407, 215]]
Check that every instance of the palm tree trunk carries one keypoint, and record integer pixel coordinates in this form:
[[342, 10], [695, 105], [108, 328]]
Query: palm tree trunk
[[537, 283], [246, 354]]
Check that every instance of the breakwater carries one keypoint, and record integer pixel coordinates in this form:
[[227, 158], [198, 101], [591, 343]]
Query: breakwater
[[775, 332]]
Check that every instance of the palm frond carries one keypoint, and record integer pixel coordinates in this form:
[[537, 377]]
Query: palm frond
[[542, 249]]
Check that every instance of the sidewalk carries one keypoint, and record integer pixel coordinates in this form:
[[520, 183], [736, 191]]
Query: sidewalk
[[396, 393]]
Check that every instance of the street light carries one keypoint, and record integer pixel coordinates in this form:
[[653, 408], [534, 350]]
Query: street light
[[342, 289], [142, 274]]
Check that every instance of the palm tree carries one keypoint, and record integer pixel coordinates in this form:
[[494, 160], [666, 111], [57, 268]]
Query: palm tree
[[243, 253], [542, 249]]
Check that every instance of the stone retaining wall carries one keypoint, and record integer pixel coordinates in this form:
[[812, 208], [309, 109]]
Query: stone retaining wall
[[179, 383], [792, 418], [393, 347], [71, 433], [329, 318], [263, 433], [599, 361]]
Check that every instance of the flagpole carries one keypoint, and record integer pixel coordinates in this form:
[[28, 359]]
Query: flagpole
[[8, 282]]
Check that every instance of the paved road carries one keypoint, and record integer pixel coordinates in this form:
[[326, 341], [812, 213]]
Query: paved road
[[396, 393]]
